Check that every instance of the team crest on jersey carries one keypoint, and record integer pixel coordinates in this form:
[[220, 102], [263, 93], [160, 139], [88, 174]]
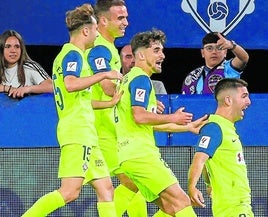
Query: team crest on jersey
[[215, 15], [204, 141], [100, 63], [240, 158], [85, 167], [213, 80], [140, 95], [71, 66]]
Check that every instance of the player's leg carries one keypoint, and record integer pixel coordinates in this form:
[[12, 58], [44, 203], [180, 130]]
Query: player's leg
[[125, 194], [136, 205], [69, 167], [45, 205], [145, 174], [174, 201], [100, 179], [163, 189], [104, 191]]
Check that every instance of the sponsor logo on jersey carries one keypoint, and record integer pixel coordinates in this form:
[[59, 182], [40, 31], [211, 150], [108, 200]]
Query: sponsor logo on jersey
[[71, 66], [140, 95], [204, 141], [100, 63], [240, 158]]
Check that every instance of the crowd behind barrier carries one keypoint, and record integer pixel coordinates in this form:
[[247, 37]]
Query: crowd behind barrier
[[29, 152]]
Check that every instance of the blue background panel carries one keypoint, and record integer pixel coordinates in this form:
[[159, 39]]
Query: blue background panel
[[184, 21], [31, 121], [162, 138]]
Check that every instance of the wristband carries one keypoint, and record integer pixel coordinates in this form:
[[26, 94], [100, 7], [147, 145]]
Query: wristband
[[234, 45]]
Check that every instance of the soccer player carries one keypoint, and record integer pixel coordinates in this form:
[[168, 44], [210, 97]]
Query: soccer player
[[219, 154], [104, 57], [136, 119], [81, 161], [128, 61]]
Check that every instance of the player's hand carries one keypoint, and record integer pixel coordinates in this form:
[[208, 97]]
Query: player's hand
[[160, 107], [181, 117], [195, 126], [196, 197], [116, 97], [115, 75]]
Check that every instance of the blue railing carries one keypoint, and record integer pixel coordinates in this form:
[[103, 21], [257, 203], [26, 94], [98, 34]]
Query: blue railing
[[31, 121]]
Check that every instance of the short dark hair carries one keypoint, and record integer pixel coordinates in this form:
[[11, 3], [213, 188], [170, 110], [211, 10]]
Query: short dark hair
[[229, 83], [211, 37], [144, 39], [104, 5]]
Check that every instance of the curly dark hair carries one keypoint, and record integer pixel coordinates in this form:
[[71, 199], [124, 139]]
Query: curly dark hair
[[145, 39]]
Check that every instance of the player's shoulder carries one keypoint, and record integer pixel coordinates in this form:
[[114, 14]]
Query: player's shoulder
[[211, 127], [99, 50]]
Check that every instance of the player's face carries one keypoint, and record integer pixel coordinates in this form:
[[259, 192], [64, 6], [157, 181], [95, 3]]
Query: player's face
[[212, 54], [154, 57], [12, 51], [117, 21], [93, 32], [128, 60], [241, 101]]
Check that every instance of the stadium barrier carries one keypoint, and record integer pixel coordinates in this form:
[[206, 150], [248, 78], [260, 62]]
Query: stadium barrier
[[29, 153]]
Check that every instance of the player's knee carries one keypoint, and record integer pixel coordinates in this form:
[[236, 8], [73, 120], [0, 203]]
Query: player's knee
[[70, 195]]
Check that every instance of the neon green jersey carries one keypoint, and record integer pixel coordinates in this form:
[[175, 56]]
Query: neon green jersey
[[135, 140], [103, 57], [75, 113], [226, 166]]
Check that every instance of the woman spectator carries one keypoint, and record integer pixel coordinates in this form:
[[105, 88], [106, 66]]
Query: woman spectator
[[19, 74]]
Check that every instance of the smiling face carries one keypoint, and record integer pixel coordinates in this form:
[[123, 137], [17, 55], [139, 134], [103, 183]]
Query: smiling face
[[113, 24], [233, 102], [154, 57], [240, 102], [12, 51]]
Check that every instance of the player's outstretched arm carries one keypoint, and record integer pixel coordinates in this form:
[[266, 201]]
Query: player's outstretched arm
[[193, 126]]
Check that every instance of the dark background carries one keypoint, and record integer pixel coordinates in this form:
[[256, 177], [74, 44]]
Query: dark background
[[178, 63]]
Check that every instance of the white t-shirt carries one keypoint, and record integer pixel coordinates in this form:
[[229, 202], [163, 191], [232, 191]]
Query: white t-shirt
[[34, 74]]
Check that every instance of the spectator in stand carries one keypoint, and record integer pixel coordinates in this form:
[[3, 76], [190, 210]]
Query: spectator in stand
[[19, 74], [203, 79]]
